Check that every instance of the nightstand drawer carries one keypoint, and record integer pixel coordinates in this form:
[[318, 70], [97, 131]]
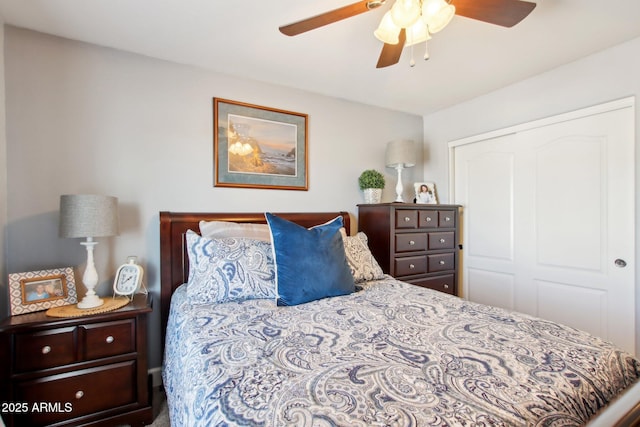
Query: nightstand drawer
[[441, 262], [442, 240], [411, 265], [411, 242], [109, 338], [79, 393], [46, 349], [446, 219]]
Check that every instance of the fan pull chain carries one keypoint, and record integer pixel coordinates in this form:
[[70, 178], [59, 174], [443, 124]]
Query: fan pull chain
[[426, 51], [412, 63]]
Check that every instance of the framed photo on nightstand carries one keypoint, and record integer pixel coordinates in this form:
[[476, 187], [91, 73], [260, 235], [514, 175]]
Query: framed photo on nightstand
[[41, 290]]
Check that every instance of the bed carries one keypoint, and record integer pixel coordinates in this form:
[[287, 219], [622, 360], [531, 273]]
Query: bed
[[385, 353]]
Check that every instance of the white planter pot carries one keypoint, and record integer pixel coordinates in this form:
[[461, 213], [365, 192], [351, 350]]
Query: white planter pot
[[372, 195]]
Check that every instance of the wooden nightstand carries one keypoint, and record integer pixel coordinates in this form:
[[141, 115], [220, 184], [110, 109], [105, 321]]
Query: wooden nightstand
[[414, 243], [89, 370]]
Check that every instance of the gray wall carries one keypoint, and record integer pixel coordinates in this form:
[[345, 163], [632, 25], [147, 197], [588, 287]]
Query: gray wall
[[82, 118], [605, 76]]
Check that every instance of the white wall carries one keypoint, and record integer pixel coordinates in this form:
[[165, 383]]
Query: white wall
[[605, 76], [82, 118], [3, 178]]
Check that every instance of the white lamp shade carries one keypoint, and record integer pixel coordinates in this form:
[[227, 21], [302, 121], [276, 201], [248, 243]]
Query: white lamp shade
[[88, 215], [401, 153], [405, 13], [437, 14], [387, 31]]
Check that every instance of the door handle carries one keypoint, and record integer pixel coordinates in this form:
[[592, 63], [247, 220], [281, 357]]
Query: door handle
[[620, 263]]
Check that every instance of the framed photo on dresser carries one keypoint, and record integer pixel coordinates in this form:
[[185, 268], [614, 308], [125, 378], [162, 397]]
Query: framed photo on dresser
[[425, 193]]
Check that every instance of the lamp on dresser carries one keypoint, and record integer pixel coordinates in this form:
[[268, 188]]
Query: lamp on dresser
[[400, 154], [88, 216]]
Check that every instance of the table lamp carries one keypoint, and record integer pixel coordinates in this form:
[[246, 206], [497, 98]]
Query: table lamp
[[88, 216], [399, 155]]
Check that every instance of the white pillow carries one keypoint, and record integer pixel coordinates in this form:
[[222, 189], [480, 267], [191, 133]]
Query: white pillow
[[229, 269], [363, 265], [222, 229]]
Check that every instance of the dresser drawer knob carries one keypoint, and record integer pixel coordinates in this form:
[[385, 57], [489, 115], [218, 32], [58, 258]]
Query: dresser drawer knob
[[441, 262], [447, 218], [79, 394], [411, 242], [46, 349], [411, 266], [407, 219], [109, 339], [446, 286], [442, 240], [428, 219]]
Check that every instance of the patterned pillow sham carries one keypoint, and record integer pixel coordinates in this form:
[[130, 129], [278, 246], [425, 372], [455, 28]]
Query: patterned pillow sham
[[363, 265], [229, 269]]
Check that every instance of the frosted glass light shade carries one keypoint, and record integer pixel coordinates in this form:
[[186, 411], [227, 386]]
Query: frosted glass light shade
[[405, 13], [437, 14], [88, 215], [387, 31], [417, 33], [400, 153]]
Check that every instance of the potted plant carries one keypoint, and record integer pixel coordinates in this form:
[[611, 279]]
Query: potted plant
[[371, 183]]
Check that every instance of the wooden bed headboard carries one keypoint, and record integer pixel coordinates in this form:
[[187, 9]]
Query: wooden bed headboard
[[174, 262]]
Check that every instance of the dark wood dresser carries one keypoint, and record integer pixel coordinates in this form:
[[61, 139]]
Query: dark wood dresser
[[89, 370], [414, 243]]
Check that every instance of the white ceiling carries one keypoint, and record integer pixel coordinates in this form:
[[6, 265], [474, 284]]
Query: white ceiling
[[241, 37]]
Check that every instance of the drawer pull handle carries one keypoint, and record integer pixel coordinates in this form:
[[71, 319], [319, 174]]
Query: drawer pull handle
[[407, 219], [447, 218], [411, 242], [109, 339], [428, 219], [46, 349], [446, 286], [441, 262], [411, 266], [442, 240], [79, 394]]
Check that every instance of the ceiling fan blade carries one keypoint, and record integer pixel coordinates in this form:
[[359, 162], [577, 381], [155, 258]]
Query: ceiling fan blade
[[506, 13], [391, 52], [330, 17]]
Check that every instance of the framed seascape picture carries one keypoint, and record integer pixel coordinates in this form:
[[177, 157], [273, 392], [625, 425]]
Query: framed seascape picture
[[259, 147], [41, 290], [425, 193]]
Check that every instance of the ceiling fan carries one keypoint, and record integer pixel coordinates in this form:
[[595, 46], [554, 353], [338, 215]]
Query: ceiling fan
[[401, 26]]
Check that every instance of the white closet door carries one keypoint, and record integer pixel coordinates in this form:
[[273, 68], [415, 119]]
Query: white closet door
[[549, 221]]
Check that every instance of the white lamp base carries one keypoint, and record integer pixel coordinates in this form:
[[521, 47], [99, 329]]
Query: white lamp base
[[90, 301], [399, 186]]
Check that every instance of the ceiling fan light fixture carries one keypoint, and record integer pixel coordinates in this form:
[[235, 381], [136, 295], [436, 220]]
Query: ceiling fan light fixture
[[437, 14], [387, 31], [417, 33], [405, 13]]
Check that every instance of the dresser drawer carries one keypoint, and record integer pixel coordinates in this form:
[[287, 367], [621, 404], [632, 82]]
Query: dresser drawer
[[444, 284], [446, 219], [442, 240], [406, 218], [428, 219], [411, 242], [407, 266], [109, 338], [441, 262], [79, 393], [45, 349]]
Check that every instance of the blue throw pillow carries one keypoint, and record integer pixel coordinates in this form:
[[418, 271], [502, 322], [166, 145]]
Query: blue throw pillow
[[310, 263]]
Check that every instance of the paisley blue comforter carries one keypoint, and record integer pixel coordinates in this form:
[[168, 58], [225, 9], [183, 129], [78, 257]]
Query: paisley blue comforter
[[392, 354]]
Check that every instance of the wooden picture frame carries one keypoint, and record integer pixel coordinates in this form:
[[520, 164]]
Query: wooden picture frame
[[259, 147], [40, 290]]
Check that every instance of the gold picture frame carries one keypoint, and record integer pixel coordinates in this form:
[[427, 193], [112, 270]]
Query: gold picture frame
[[259, 147], [40, 290]]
